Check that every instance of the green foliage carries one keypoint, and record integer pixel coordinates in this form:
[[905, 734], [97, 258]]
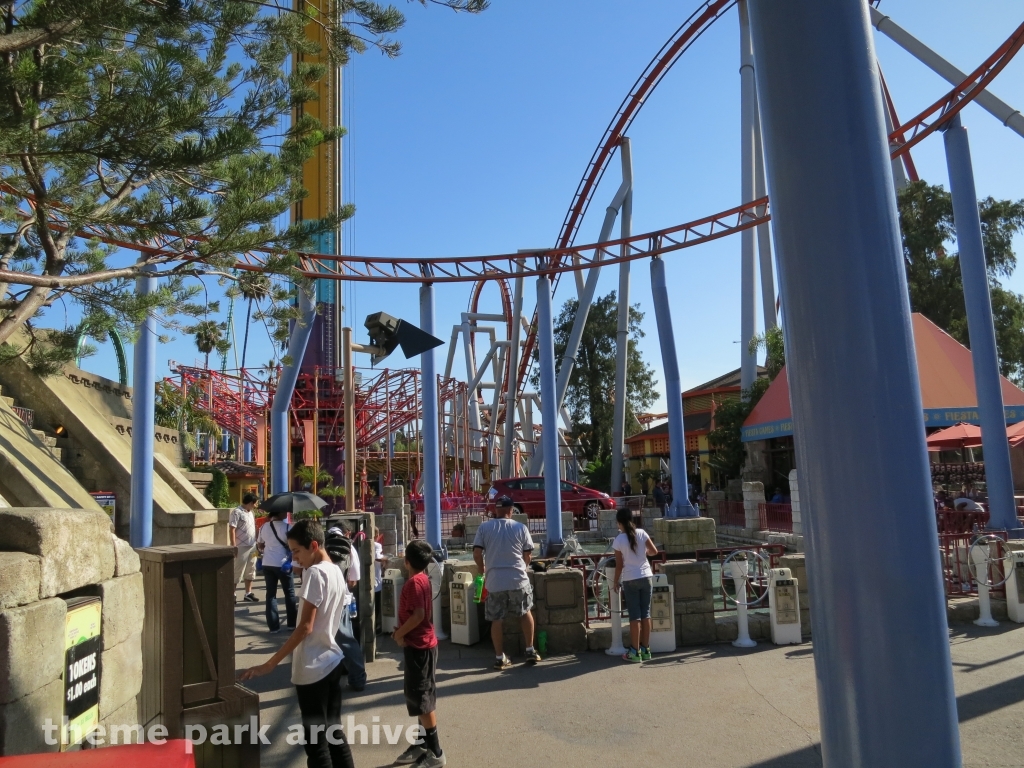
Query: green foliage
[[933, 270], [185, 412], [166, 124], [598, 475], [774, 345], [304, 474], [591, 394], [217, 490], [729, 453]]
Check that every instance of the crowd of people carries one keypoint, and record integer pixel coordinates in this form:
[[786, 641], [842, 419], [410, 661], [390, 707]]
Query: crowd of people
[[324, 621]]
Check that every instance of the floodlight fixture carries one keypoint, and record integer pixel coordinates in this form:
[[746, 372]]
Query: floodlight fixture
[[388, 333]]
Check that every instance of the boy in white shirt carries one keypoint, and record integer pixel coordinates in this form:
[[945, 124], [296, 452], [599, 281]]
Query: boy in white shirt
[[242, 527], [316, 656]]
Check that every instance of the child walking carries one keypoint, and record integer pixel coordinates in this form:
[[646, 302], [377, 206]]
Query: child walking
[[316, 656], [634, 574], [416, 635]]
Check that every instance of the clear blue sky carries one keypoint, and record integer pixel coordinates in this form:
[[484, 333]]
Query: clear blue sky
[[473, 142]]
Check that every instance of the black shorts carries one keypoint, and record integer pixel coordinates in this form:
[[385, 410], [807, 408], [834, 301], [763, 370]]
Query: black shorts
[[420, 686]]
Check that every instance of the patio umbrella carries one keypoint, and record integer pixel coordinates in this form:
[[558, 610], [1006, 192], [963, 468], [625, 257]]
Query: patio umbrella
[[962, 435], [292, 501]]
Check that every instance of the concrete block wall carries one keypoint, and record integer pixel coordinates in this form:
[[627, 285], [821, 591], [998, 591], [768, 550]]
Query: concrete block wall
[[714, 501], [694, 600], [794, 496], [472, 523], [649, 517], [606, 525], [387, 524], [49, 555], [394, 505], [685, 535], [753, 495]]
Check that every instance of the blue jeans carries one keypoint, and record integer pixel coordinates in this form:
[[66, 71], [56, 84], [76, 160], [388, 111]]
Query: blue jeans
[[274, 576], [638, 597], [353, 661]]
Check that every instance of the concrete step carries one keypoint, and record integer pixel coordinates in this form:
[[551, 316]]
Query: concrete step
[[45, 439]]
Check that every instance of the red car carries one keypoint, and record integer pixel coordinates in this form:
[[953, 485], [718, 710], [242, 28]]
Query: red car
[[527, 494]]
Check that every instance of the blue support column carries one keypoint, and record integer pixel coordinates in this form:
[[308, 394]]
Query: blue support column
[[549, 416], [280, 434], [881, 645], [680, 506], [431, 438], [143, 423], [998, 475]]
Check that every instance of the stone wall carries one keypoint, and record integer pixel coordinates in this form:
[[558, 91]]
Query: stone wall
[[714, 501], [48, 556], [395, 506], [794, 496], [753, 495], [694, 600], [684, 535]]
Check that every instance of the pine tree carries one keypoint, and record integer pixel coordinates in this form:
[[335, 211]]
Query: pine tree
[[157, 124]]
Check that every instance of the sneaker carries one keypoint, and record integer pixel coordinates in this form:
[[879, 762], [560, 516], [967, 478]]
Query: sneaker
[[411, 755], [275, 631], [251, 598], [532, 657], [502, 663], [632, 655], [429, 760], [645, 654]]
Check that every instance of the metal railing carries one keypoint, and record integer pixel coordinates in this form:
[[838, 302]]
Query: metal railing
[[756, 586], [27, 415], [957, 570], [777, 518], [732, 513]]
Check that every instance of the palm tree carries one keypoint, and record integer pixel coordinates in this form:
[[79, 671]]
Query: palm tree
[[254, 287], [305, 475], [182, 411], [208, 335], [331, 493]]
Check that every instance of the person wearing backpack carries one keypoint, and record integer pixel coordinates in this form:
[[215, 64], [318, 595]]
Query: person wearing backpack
[[272, 542], [344, 555]]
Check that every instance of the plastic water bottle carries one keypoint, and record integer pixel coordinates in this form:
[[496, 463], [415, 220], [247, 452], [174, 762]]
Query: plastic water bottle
[[353, 610], [478, 587]]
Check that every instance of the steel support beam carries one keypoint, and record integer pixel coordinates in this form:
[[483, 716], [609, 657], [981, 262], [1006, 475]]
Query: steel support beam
[[140, 532], [509, 436], [280, 434], [980, 327], [885, 684], [431, 436], [549, 416], [680, 506], [748, 289], [992, 104], [622, 329]]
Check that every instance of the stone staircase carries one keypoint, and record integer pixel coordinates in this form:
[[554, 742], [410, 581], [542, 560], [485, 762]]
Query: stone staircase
[[27, 415]]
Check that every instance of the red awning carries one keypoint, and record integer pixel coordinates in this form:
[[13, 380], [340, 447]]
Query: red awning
[[962, 435]]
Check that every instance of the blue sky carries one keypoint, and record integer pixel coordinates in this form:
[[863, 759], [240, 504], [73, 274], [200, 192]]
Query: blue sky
[[473, 142]]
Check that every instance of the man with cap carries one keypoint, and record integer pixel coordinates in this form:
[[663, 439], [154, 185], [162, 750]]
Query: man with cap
[[508, 548]]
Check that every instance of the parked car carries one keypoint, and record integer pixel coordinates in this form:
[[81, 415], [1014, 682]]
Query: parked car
[[527, 494]]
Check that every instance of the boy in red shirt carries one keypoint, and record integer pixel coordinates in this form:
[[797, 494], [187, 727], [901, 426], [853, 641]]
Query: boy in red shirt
[[416, 635]]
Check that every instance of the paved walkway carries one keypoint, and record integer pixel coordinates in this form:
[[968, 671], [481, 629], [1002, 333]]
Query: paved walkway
[[714, 707]]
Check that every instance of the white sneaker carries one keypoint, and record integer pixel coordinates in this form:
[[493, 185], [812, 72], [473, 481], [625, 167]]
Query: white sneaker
[[411, 755]]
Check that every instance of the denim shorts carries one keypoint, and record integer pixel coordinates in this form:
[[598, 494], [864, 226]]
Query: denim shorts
[[638, 597]]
